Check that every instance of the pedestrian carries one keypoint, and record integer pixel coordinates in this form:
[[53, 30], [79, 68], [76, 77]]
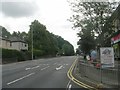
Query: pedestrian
[[84, 56], [93, 57]]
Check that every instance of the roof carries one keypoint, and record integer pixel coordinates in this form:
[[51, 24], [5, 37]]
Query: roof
[[16, 39], [4, 38]]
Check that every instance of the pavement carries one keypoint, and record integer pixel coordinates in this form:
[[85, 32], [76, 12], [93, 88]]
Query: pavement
[[41, 73], [90, 75]]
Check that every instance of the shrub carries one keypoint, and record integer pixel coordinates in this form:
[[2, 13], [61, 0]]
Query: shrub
[[19, 55], [37, 53]]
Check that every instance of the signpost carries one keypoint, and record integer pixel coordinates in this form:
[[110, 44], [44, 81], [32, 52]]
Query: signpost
[[107, 57]]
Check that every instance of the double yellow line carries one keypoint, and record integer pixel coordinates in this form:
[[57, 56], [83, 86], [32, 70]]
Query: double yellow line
[[69, 74]]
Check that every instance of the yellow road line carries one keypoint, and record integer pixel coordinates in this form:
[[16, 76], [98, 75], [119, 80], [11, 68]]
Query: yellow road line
[[69, 74]]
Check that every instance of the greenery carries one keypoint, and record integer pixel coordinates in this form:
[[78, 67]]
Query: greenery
[[44, 43], [7, 54], [90, 26]]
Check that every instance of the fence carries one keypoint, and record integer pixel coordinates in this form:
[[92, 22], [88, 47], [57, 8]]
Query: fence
[[105, 75]]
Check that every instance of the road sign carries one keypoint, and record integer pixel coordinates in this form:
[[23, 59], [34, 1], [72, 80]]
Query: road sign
[[107, 57]]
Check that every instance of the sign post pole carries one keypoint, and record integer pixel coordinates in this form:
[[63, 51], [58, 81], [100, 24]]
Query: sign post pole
[[106, 58]]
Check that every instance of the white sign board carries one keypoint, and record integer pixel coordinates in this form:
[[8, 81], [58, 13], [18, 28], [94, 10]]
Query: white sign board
[[107, 57]]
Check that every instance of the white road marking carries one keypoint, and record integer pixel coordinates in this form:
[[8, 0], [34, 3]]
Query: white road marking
[[45, 68], [35, 67], [27, 68], [70, 86], [20, 62], [45, 64], [59, 67], [20, 78], [32, 68], [68, 83]]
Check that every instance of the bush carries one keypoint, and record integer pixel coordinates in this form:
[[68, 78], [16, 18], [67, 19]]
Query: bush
[[37, 53], [19, 55]]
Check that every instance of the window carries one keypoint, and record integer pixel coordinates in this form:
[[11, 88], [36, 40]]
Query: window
[[25, 45]]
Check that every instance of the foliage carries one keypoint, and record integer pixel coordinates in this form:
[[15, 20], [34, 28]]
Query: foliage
[[5, 33], [68, 49], [90, 26], [46, 42], [7, 53]]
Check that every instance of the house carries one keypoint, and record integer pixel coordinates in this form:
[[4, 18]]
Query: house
[[115, 38], [18, 44], [4, 43], [13, 43]]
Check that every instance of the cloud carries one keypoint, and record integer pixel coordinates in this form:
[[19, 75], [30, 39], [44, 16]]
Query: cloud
[[18, 9]]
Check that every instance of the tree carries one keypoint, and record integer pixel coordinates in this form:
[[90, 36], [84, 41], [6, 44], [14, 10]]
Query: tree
[[38, 36], [5, 33], [24, 36], [68, 49], [15, 34], [44, 41], [89, 18]]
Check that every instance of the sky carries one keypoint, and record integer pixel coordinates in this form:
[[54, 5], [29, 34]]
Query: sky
[[17, 15]]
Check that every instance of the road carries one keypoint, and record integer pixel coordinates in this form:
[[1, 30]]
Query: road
[[41, 73]]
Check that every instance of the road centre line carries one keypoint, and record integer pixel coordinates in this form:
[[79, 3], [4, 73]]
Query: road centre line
[[45, 68], [68, 83], [70, 86], [32, 68], [27, 68], [35, 67], [20, 78]]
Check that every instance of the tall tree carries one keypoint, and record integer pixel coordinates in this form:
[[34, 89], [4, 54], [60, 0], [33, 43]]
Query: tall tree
[[43, 40], [5, 33], [89, 18]]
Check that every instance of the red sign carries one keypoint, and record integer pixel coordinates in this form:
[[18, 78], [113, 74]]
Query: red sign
[[115, 39]]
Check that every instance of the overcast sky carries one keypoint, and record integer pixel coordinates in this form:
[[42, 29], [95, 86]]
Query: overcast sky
[[17, 15]]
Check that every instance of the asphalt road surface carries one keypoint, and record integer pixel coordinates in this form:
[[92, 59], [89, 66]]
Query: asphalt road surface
[[41, 73]]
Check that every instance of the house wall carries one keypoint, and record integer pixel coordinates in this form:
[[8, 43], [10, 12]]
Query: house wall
[[5, 44], [116, 44], [13, 45], [19, 46], [23, 46]]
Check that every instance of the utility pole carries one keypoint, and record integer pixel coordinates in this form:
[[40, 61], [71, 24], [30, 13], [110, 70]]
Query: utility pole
[[32, 42]]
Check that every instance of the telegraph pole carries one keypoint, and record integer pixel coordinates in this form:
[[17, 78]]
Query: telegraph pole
[[32, 42]]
